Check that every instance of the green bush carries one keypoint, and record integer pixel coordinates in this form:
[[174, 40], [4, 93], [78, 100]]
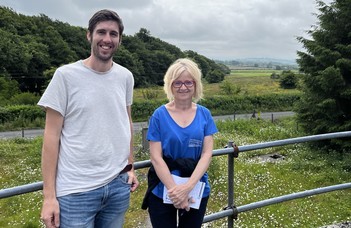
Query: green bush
[[24, 99], [229, 88], [21, 116], [288, 80], [141, 111], [150, 94], [215, 76], [4, 115], [30, 112], [223, 105]]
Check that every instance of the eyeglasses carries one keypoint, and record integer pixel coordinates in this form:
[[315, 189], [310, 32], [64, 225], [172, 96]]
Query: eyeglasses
[[187, 83]]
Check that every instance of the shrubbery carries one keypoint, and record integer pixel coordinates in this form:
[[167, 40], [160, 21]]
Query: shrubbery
[[141, 111], [20, 112], [288, 80], [223, 105]]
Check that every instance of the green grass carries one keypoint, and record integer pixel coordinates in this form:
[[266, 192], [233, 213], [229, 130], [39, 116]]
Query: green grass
[[302, 169], [19, 165]]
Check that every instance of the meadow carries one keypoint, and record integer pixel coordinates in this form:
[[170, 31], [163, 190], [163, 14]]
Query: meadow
[[302, 169], [251, 82]]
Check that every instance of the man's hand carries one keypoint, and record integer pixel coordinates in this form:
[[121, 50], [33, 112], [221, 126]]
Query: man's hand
[[50, 213], [133, 181]]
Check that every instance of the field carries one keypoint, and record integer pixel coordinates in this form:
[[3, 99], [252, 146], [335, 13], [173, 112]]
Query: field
[[251, 82]]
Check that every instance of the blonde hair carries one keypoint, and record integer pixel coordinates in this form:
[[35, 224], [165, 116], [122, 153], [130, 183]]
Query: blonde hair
[[174, 72]]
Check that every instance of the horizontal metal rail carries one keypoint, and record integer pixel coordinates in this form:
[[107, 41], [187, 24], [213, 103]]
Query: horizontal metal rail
[[4, 193], [36, 186], [283, 142], [275, 200], [22, 189]]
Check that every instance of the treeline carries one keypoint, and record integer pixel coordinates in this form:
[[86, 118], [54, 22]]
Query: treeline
[[32, 47]]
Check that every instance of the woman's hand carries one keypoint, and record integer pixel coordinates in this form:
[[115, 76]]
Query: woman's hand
[[180, 196]]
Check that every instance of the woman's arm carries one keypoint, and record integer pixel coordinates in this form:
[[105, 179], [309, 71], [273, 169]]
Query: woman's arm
[[160, 165], [203, 163]]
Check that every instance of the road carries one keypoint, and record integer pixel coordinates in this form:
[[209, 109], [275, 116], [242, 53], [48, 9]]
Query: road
[[138, 126]]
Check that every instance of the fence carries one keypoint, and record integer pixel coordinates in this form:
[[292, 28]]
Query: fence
[[231, 211]]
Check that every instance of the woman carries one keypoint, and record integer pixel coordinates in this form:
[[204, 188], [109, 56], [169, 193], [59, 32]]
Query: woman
[[180, 136]]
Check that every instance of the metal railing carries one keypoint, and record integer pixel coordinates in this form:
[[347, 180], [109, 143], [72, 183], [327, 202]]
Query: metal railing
[[231, 212]]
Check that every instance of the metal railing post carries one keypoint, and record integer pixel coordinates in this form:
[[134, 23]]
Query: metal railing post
[[144, 141], [230, 184]]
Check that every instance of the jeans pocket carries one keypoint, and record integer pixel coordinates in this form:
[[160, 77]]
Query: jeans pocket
[[124, 178]]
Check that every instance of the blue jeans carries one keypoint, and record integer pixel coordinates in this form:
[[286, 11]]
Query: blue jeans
[[165, 215], [104, 207]]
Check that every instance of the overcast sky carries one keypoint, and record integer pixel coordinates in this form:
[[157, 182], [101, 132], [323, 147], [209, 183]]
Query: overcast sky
[[223, 29]]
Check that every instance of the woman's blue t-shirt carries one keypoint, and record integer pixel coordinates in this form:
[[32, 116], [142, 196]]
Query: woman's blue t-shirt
[[179, 142]]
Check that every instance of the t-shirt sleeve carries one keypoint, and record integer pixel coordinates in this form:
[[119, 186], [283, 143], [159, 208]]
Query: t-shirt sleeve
[[211, 127], [55, 95], [153, 133], [129, 90]]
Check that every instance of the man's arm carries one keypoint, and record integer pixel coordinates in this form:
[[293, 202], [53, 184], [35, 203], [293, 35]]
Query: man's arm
[[50, 152]]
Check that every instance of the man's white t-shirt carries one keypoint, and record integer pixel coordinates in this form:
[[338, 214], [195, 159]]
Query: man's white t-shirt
[[96, 134]]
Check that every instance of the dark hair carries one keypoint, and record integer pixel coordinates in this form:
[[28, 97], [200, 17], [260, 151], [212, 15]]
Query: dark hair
[[105, 15]]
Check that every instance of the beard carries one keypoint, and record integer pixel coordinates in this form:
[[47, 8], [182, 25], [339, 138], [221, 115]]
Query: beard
[[98, 53]]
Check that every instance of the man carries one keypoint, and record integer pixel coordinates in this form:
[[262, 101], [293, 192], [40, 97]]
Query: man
[[87, 150]]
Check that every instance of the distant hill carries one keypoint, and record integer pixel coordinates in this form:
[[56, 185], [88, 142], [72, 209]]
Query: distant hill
[[265, 63], [269, 60]]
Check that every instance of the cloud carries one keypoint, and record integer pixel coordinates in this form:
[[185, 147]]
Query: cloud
[[226, 29]]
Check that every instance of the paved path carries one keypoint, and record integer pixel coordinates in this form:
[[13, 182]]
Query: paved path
[[138, 126]]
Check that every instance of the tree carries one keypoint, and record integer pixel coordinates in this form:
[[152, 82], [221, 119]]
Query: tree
[[215, 76], [211, 71], [200, 60], [288, 80], [39, 62], [59, 50], [125, 58], [144, 35], [326, 102], [162, 61], [225, 69], [75, 37], [14, 55], [8, 88]]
